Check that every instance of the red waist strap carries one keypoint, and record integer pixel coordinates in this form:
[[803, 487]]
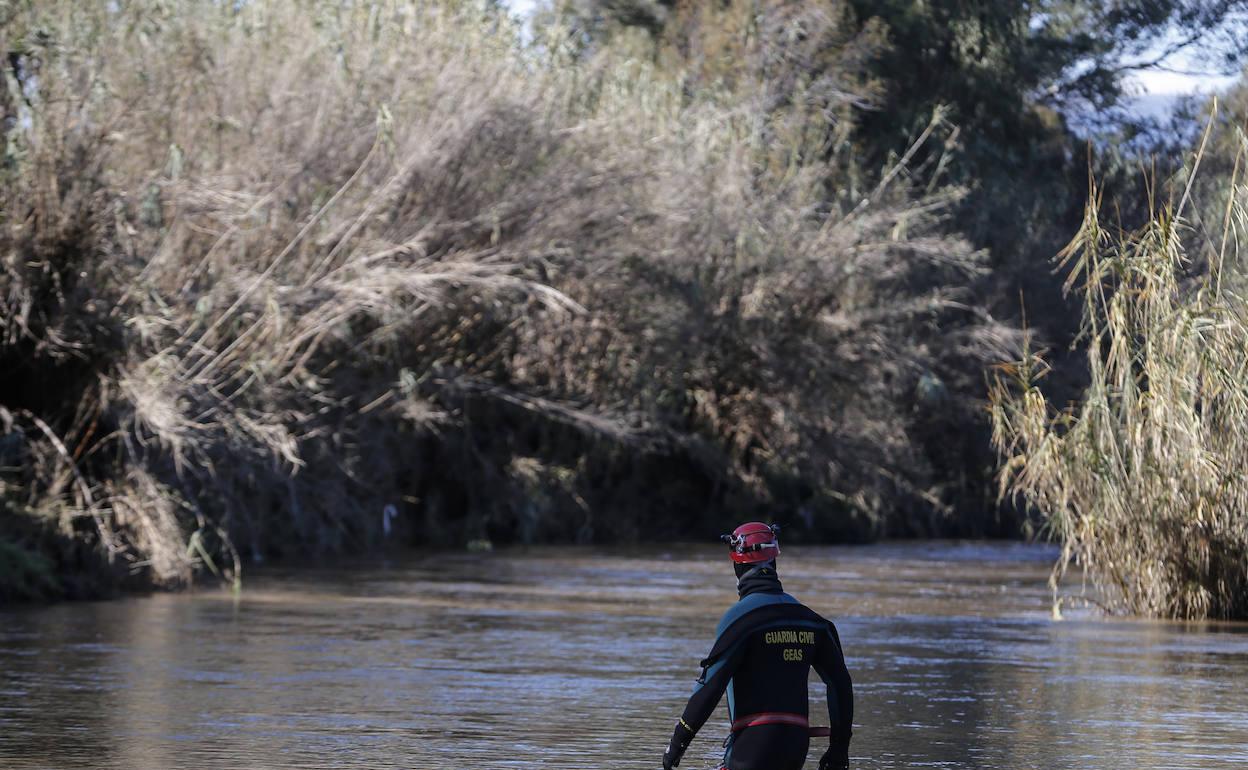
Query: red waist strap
[[778, 718]]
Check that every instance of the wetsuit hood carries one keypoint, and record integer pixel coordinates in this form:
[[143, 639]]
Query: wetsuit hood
[[757, 578]]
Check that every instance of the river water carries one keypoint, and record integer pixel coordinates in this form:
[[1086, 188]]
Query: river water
[[578, 659]]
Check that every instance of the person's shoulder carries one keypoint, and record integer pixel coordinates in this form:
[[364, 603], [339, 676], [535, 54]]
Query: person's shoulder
[[811, 613], [748, 604], [794, 600]]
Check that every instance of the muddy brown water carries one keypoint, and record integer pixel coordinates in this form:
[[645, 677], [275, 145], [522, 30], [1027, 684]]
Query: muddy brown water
[[566, 658]]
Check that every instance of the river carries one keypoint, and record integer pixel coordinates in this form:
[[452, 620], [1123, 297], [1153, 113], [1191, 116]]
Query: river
[[581, 659]]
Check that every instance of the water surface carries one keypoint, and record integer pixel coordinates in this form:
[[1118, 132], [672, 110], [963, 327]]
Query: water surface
[[579, 659]]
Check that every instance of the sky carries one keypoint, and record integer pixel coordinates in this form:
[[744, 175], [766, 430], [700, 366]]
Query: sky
[[1176, 84], [522, 7], [1154, 93]]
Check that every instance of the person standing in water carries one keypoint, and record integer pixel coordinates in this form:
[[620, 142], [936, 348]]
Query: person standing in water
[[764, 649]]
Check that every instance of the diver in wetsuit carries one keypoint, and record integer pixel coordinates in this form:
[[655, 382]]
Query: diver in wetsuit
[[764, 649]]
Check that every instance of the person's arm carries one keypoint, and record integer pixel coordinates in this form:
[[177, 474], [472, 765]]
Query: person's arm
[[706, 694], [829, 663]]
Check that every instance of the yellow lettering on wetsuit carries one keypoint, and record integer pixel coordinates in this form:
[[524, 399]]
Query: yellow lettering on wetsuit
[[789, 637]]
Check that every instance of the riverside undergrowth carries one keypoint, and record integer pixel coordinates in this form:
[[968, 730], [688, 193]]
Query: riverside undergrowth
[[1145, 480], [270, 269]]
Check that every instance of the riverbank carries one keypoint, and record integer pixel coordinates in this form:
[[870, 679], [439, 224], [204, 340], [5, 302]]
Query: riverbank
[[268, 270], [40, 564], [304, 279]]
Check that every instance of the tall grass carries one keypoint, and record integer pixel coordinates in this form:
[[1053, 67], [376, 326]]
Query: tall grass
[[1145, 481], [267, 268]]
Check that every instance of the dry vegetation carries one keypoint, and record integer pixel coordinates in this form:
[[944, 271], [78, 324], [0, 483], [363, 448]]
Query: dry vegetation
[[1145, 482], [267, 269]]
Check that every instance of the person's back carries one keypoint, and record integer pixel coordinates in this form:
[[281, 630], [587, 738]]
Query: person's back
[[765, 647]]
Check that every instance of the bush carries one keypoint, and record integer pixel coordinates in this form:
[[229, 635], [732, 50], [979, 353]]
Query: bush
[[25, 575], [291, 263], [1145, 482]]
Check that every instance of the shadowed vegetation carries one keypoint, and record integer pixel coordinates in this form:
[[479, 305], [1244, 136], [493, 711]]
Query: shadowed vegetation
[[267, 268], [270, 269]]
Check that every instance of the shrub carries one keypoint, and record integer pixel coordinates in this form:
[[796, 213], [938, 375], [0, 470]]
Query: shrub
[[1145, 481], [305, 261]]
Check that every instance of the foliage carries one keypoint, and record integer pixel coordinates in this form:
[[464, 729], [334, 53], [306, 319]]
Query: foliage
[[269, 268], [1025, 84], [1213, 199], [24, 574], [1004, 79], [812, 73], [1144, 481]]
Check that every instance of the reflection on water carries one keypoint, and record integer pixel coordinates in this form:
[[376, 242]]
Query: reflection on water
[[579, 659]]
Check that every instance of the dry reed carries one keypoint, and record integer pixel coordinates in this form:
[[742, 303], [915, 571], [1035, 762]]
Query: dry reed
[[1145, 481], [295, 261]]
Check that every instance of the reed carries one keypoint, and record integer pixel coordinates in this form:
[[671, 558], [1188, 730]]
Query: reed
[[1145, 480]]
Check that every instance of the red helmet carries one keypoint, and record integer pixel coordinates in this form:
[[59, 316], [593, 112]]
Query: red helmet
[[753, 542]]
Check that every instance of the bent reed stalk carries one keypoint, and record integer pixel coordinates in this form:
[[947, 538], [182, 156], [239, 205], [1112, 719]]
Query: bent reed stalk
[[1145, 481]]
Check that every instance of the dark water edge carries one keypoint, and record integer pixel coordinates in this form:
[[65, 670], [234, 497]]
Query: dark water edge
[[40, 566], [579, 658]]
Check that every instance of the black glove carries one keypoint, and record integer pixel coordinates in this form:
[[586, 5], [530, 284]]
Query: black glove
[[835, 758], [676, 749]]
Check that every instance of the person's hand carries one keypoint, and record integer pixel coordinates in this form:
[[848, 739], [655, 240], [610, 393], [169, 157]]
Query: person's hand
[[676, 749], [835, 758]]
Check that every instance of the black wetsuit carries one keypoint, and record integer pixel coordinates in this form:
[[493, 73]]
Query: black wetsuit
[[767, 643]]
